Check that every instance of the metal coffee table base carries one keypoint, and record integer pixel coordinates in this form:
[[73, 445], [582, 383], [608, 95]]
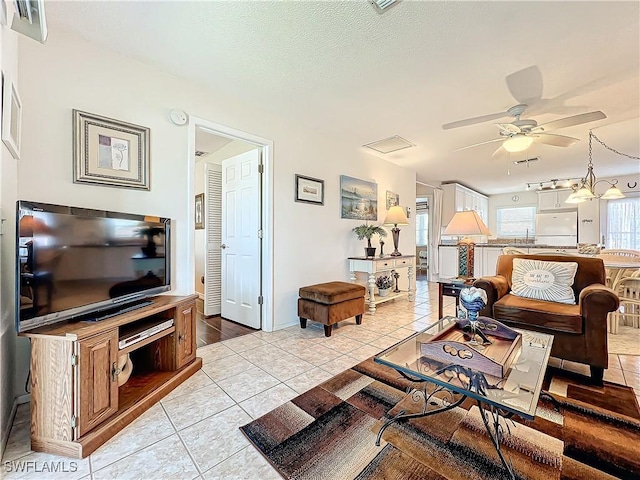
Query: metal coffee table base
[[493, 418]]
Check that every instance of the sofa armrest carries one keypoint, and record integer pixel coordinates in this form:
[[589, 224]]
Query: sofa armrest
[[496, 288], [596, 301], [597, 298]]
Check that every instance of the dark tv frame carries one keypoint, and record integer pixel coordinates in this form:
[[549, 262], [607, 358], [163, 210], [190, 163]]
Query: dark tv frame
[[84, 310]]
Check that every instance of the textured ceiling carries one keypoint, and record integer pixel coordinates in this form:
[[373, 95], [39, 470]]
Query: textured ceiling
[[347, 71]]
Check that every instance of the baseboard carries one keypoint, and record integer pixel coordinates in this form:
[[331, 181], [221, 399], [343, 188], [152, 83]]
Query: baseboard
[[5, 434]]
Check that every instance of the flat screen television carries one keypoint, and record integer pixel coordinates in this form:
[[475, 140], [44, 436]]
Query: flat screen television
[[78, 263]]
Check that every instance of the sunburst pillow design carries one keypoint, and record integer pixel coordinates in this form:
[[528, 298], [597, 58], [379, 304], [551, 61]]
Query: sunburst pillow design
[[540, 280]]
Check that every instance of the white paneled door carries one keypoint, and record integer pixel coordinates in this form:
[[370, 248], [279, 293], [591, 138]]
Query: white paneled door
[[213, 239], [240, 239]]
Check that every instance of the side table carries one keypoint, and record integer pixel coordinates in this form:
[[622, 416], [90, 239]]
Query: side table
[[451, 288]]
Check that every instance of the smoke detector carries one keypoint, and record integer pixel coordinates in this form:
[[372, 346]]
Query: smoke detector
[[391, 144]]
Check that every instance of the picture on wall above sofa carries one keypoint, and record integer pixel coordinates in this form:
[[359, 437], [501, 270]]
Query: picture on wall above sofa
[[358, 198]]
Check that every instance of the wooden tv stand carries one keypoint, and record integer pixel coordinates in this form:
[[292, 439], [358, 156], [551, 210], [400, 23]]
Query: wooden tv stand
[[76, 404]]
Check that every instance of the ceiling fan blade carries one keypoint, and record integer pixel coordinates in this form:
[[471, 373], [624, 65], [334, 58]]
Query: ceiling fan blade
[[478, 144], [555, 140], [474, 120], [550, 106], [570, 121], [526, 85], [509, 127], [500, 151]]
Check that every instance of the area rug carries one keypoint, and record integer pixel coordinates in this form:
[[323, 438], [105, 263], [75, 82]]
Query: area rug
[[625, 342], [329, 432]]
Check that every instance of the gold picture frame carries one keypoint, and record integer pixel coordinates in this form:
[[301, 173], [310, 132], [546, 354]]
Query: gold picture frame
[[110, 152]]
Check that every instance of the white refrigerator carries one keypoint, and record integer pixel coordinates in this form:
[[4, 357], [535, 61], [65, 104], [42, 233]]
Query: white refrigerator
[[557, 229]]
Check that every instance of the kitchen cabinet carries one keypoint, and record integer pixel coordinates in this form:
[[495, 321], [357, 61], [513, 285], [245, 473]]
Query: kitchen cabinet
[[458, 198], [589, 221], [555, 200], [489, 260], [447, 261]]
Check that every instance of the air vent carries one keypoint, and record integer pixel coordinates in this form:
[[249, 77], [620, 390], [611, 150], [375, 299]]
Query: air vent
[[382, 4], [200, 153], [527, 161], [391, 144]]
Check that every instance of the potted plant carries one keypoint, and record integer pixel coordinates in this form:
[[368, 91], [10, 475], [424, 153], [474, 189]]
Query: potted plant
[[384, 283], [367, 231]]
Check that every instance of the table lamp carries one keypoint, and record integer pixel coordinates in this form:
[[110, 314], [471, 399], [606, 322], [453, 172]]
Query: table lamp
[[395, 217], [464, 224]]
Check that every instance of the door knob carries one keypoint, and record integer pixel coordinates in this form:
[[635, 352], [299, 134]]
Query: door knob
[[223, 246]]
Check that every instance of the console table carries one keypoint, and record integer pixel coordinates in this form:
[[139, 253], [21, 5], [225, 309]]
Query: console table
[[386, 264], [76, 403]]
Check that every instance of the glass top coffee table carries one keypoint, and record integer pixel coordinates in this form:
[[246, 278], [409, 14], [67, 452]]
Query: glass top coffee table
[[443, 386]]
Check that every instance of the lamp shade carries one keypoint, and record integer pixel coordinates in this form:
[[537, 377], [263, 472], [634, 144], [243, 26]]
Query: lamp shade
[[466, 223], [517, 143], [612, 193], [584, 192], [573, 199], [396, 216]]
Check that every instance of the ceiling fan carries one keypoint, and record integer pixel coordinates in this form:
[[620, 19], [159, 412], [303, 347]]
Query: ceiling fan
[[517, 136]]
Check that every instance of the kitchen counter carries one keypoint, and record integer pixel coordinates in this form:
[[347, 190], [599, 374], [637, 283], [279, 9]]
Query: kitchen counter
[[516, 245]]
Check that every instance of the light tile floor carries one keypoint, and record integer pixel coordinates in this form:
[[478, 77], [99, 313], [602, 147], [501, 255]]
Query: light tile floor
[[193, 432]]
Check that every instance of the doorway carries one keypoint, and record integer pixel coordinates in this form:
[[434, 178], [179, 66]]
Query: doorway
[[231, 173], [422, 237]]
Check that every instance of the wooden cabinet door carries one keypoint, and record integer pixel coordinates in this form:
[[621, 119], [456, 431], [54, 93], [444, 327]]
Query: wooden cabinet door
[[97, 386], [185, 322]]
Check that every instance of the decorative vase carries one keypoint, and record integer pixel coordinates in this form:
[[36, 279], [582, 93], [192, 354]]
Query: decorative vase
[[383, 292], [370, 252]]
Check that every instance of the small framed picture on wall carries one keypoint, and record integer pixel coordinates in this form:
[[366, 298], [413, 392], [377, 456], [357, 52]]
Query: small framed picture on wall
[[309, 190], [199, 211]]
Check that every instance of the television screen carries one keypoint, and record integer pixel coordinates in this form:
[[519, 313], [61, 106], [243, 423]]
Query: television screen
[[72, 261]]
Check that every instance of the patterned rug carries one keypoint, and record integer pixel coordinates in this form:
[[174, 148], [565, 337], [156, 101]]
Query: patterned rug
[[329, 432]]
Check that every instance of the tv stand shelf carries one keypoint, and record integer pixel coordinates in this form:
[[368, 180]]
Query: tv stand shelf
[[76, 404]]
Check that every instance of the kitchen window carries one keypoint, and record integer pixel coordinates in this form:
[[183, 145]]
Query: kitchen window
[[516, 222], [623, 223]]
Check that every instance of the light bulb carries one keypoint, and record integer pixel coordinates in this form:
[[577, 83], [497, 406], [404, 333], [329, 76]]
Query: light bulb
[[553, 185], [528, 187], [540, 187], [567, 183]]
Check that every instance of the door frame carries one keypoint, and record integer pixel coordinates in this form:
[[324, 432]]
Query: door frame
[[266, 265]]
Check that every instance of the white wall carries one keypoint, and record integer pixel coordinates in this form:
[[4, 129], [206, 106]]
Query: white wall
[[311, 243], [8, 195]]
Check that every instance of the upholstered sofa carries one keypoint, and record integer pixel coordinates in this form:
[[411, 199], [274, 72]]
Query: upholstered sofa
[[580, 330]]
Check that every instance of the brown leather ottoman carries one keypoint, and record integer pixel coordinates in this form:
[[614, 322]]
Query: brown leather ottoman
[[330, 303]]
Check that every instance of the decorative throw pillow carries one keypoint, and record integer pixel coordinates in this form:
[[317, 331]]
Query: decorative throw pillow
[[540, 280]]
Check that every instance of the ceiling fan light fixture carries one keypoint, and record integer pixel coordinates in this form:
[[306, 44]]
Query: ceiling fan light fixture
[[517, 143]]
